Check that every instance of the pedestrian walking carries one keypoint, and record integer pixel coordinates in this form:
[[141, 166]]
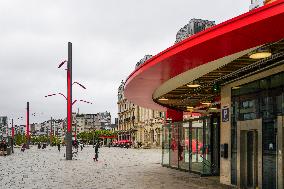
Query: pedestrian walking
[[3, 148], [58, 147], [180, 151], [81, 146], [24, 146], [96, 152]]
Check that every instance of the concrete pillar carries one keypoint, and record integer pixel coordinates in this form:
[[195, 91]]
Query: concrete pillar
[[225, 137], [280, 143]]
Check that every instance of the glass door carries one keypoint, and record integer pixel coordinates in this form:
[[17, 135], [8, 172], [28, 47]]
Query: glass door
[[197, 146], [166, 145], [183, 146], [215, 144], [174, 146]]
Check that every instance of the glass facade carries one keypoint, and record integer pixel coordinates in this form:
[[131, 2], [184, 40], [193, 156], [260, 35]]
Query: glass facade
[[192, 145], [262, 99]]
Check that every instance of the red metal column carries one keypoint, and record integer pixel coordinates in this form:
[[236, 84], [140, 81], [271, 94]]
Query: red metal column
[[28, 126], [69, 104], [13, 134], [174, 115], [13, 131]]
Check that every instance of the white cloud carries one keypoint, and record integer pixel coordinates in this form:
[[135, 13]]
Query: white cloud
[[108, 38]]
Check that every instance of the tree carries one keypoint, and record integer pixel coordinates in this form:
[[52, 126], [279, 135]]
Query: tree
[[20, 139], [91, 136]]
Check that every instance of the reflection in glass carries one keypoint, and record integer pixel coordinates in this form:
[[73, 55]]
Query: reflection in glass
[[261, 99], [174, 146], [188, 145]]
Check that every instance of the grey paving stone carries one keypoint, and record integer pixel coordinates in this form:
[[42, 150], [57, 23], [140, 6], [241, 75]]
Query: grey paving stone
[[117, 168]]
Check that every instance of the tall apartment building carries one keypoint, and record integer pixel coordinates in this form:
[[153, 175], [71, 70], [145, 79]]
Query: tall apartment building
[[20, 129], [143, 60], [194, 26], [78, 123], [138, 124], [102, 120], [56, 126], [258, 3], [90, 122], [3, 126]]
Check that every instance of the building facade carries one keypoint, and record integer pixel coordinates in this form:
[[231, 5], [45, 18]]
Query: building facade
[[143, 60], [194, 26], [231, 80], [90, 122], [258, 3], [3, 127], [138, 124]]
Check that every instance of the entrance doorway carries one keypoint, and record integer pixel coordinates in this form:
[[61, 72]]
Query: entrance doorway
[[249, 154], [193, 145]]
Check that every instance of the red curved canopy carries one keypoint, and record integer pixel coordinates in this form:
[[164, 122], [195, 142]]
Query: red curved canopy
[[254, 28]]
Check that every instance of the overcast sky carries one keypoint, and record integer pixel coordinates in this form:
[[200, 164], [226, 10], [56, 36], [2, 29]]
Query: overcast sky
[[108, 37]]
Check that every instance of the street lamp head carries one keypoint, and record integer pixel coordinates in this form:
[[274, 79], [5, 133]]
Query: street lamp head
[[74, 102], [63, 95], [61, 64], [86, 101], [79, 84], [50, 95]]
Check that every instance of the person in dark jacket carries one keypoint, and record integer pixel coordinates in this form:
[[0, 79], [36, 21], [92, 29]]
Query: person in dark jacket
[[96, 152], [24, 146], [58, 147], [180, 152]]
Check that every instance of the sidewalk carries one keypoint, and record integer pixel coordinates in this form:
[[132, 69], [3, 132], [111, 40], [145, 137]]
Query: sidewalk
[[117, 168]]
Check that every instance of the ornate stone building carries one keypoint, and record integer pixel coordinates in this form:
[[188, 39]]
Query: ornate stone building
[[258, 3], [137, 124], [149, 127], [194, 26]]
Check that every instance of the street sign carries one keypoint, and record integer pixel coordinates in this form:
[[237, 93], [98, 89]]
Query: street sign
[[225, 113]]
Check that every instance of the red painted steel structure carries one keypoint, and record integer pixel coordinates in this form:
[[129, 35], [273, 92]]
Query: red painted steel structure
[[254, 28], [13, 129], [174, 115], [69, 104], [28, 125], [13, 134]]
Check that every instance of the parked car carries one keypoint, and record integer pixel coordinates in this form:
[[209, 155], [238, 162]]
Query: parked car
[[123, 143], [114, 143]]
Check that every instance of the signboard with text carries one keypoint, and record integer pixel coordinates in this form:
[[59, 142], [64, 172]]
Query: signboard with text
[[225, 113]]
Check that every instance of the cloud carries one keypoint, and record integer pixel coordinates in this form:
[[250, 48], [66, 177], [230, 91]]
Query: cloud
[[108, 38]]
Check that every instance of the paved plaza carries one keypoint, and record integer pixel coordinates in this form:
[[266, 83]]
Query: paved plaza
[[117, 168]]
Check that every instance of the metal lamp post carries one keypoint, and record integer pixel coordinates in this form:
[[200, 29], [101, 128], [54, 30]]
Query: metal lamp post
[[69, 104], [28, 126], [13, 134], [68, 135], [51, 130]]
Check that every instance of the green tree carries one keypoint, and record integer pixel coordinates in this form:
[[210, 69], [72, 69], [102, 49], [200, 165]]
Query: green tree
[[20, 139]]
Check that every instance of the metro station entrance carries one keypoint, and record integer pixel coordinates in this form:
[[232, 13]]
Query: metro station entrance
[[193, 145]]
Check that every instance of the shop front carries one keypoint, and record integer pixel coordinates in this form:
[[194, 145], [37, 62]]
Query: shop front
[[192, 145]]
